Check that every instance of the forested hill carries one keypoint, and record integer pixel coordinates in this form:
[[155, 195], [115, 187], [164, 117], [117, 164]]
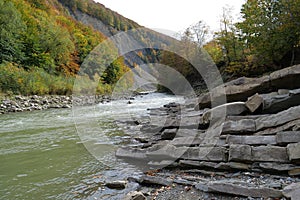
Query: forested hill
[[42, 46]]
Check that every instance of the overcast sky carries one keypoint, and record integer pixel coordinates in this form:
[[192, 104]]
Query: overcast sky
[[173, 15]]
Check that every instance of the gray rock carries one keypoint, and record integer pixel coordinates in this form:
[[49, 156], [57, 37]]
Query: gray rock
[[269, 154], [131, 153], [288, 137], [119, 185], [168, 134], [153, 180], [274, 104], [232, 165], [205, 154], [240, 189], [272, 166], [254, 102], [135, 195], [294, 151], [294, 172], [166, 152], [274, 130], [242, 88], [240, 153], [292, 191], [244, 126], [278, 119], [251, 140], [197, 164], [229, 109]]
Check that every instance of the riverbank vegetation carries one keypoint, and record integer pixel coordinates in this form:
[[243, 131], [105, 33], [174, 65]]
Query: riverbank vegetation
[[42, 49], [266, 39]]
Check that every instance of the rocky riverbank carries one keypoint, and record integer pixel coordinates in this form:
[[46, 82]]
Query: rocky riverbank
[[13, 104], [247, 147]]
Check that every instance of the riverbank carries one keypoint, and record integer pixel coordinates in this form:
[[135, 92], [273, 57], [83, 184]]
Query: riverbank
[[19, 103], [247, 147]]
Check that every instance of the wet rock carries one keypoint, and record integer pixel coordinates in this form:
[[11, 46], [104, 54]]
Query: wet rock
[[288, 137], [294, 152], [119, 185], [254, 103], [153, 180], [131, 153], [292, 191], [251, 140], [135, 195]]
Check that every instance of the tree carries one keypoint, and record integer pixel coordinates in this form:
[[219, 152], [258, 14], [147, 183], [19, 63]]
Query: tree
[[11, 28], [271, 29]]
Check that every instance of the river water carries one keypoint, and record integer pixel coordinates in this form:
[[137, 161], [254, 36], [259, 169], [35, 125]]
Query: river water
[[68, 154]]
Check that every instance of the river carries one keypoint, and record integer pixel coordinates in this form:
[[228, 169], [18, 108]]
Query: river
[[68, 154]]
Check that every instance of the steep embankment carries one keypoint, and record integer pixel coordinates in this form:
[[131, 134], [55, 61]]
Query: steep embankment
[[248, 146]]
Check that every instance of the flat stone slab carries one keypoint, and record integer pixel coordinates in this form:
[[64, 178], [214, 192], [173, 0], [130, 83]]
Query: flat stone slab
[[205, 154], [287, 137], [251, 140], [294, 151], [153, 180], [131, 153], [292, 191], [278, 119], [260, 153], [269, 154], [272, 166], [240, 153], [243, 126], [238, 188]]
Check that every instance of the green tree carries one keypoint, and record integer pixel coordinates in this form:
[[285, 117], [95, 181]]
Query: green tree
[[271, 29], [11, 28]]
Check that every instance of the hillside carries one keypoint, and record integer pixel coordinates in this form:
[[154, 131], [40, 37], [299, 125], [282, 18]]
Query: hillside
[[43, 43]]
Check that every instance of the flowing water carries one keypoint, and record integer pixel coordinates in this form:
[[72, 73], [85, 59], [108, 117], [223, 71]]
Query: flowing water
[[52, 154]]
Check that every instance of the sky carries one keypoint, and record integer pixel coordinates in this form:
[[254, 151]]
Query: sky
[[173, 15]]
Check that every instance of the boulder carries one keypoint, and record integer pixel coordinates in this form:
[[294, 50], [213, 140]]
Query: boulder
[[251, 140], [119, 185], [287, 137], [294, 151]]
